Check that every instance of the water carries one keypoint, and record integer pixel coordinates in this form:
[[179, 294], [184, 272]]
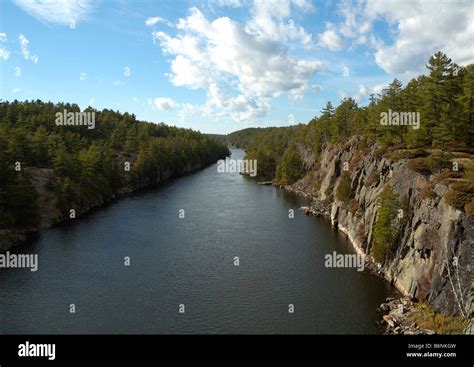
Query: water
[[190, 261]]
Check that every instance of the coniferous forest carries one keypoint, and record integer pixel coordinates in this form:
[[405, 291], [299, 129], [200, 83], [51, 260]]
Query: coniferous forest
[[444, 100], [84, 166], [174, 169]]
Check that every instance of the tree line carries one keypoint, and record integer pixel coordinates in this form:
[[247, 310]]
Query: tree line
[[89, 165], [443, 101]]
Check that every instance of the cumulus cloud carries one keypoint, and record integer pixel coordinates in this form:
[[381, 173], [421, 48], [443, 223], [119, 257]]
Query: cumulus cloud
[[330, 39], [271, 21], [419, 29], [65, 12], [241, 69], [25, 49], [164, 103]]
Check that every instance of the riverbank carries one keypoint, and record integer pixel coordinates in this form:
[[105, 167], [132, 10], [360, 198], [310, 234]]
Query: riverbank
[[50, 213], [432, 234], [191, 260], [400, 315]]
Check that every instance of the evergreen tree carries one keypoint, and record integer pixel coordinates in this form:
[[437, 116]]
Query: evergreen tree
[[438, 99], [464, 129], [291, 167], [385, 232]]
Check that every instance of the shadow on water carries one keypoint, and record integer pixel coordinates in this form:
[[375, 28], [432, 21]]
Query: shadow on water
[[190, 261]]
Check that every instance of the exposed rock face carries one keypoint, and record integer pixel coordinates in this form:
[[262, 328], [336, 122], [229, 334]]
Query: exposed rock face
[[432, 232]]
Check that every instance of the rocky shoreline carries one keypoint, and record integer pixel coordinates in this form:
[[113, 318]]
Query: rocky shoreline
[[396, 317], [51, 215], [397, 313], [417, 268]]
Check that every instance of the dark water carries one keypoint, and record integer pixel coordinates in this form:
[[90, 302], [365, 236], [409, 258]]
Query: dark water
[[190, 261]]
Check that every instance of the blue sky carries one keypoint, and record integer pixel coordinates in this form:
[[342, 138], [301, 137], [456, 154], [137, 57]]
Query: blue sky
[[221, 65]]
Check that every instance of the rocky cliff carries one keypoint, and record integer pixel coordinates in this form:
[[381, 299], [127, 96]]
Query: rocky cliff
[[432, 261]]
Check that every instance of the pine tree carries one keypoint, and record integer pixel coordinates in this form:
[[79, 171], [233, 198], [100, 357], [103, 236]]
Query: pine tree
[[344, 189], [464, 129], [385, 233], [373, 118], [327, 114], [439, 99], [392, 100], [291, 167], [344, 120], [412, 99]]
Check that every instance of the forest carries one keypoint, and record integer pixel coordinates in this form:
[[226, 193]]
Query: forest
[[84, 165], [443, 101]]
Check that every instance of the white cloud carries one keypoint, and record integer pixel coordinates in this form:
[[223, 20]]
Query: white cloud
[[427, 28], [230, 3], [419, 29], [362, 93], [25, 49], [64, 12], [377, 89], [4, 53], [330, 39], [241, 70], [164, 103], [82, 76], [155, 20], [271, 21], [16, 90], [355, 20]]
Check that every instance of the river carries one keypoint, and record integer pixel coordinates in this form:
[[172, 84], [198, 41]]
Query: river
[[189, 264]]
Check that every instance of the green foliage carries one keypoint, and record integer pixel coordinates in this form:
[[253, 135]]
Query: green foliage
[[439, 161], [470, 173], [21, 203], [385, 232], [344, 190], [88, 163], [266, 145], [444, 101], [427, 319], [290, 168]]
